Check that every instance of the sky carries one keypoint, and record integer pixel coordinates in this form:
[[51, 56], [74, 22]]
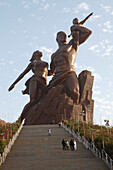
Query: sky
[[30, 25]]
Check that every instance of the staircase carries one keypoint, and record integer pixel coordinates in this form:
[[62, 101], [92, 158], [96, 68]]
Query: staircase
[[35, 150]]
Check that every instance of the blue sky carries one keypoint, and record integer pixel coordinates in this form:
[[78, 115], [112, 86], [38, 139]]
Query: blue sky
[[29, 25]]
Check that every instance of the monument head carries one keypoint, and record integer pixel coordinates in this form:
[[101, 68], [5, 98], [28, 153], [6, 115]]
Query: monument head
[[36, 55], [61, 38], [75, 21]]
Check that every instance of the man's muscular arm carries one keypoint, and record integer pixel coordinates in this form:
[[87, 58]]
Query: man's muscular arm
[[75, 41], [84, 33], [52, 67]]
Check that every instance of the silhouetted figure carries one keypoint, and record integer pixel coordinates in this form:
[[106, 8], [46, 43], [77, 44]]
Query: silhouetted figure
[[63, 144], [59, 123], [89, 144], [35, 86], [71, 143]]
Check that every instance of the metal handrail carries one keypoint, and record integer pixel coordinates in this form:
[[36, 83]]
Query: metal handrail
[[103, 155], [107, 159], [11, 142]]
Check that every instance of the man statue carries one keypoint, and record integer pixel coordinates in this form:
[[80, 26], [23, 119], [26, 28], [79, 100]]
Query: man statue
[[62, 62], [35, 86]]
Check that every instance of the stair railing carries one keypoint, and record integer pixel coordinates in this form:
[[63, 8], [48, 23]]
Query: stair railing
[[103, 155], [106, 158], [11, 142]]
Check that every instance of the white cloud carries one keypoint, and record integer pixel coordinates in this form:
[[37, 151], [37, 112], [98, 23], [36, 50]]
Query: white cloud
[[97, 77], [108, 24], [53, 4], [83, 67], [11, 62], [95, 17], [48, 50], [104, 41], [75, 11], [104, 30], [20, 20], [23, 2], [65, 10], [109, 113], [110, 31], [108, 95], [102, 47], [105, 107], [80, 7], [97, 51], [2, 62], [96, 92], [84, 6], [45, 7], [110, 84], [49, 57], [97, 87], [99, 25], [80, 67], [36, 2], [94, 47], [35, 38], [25, 31], [26, 6], [96, 105], [106, 8], [33, 15], [4, 4], [106, 54], [90, 68], [9, 52], [13, 32], [1, 88], [30, 44], [44, 32], [108, 50], [104, 103], [17, 71]]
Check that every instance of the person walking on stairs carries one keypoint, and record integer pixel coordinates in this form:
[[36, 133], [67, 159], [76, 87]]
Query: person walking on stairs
[[49, 131], [64, 144]]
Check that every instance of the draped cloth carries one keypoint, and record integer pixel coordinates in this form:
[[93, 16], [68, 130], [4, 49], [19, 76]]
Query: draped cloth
[[62, 77], [40, 82]]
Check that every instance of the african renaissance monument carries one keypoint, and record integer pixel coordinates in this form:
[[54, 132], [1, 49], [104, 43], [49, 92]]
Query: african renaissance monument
[[67, 95]]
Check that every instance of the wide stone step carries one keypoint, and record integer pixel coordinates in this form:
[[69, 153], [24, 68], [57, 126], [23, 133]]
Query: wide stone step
[[35, 150]]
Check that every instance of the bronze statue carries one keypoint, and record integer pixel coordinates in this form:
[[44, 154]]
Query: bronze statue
[[75, 23], [35, 86], [62, 62]]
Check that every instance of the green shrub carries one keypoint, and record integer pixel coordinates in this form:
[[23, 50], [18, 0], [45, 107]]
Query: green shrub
[[109, 148], [2, 145]]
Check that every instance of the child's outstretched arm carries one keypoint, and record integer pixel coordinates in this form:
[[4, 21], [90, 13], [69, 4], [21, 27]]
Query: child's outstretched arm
[[82, 22]]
